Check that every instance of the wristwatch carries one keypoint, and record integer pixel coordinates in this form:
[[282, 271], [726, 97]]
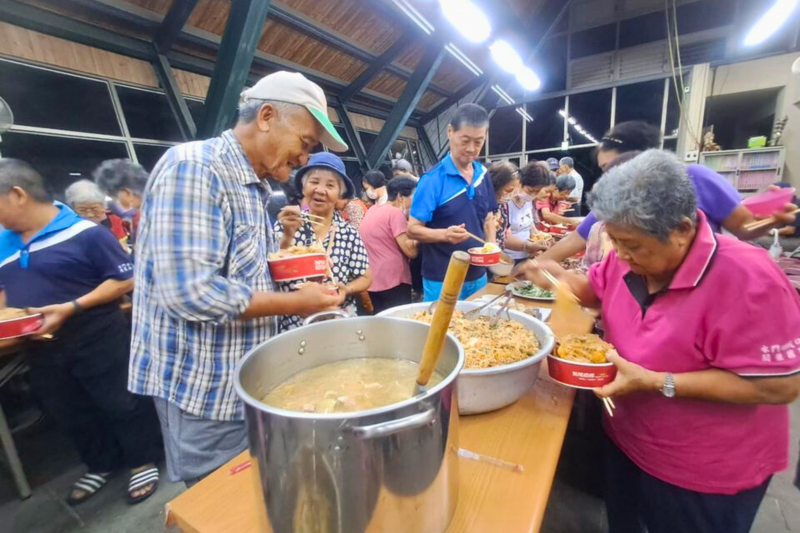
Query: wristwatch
[[668, 390]]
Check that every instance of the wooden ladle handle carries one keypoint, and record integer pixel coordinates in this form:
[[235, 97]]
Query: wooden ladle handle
[[451, 288]]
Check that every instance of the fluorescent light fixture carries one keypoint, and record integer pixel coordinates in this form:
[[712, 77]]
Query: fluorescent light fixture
[[414, 15], [562, 112], [528, 79], [507, 58], [523, 114], [468, 19], [572, 121], [770, 22], [467, 62], [504, 95], [75, 174]]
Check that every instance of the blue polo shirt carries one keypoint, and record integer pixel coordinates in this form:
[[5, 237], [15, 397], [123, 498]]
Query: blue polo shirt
[[443, 198], [67, 259]]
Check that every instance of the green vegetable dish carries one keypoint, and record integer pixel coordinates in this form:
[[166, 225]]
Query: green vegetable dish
[[530, 290]]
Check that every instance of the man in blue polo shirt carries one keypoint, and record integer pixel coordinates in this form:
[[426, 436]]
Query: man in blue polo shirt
[[453, 199], [73, 272]]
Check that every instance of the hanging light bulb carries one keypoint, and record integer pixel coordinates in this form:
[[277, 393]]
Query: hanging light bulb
[[528, 79], [506, 57]]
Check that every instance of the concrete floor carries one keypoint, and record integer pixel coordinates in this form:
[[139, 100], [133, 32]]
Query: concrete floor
[[52, 467]]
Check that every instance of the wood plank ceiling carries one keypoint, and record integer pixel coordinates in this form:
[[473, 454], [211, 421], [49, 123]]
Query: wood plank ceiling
[[370, 25]]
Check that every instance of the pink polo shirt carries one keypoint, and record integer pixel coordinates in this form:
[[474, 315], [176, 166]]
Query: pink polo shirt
[[730, 307], [379, 230]]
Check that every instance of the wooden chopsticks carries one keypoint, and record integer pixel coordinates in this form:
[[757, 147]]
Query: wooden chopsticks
[[767, 221]]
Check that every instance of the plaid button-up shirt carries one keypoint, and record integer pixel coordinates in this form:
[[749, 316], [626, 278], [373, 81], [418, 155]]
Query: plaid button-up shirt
[[202, 249]]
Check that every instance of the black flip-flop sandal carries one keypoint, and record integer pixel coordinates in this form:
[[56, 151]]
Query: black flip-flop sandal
[[90, 484], [140, 480]]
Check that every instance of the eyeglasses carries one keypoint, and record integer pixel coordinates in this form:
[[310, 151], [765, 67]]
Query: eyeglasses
[[90, 211]]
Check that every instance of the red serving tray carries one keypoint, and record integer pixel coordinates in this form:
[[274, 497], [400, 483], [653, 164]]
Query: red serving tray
[[19, 327]]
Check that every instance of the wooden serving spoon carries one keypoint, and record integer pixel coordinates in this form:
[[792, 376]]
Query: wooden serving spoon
[[451, 288]]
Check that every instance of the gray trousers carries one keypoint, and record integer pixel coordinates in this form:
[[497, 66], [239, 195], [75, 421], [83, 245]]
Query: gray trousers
[[196, 446]]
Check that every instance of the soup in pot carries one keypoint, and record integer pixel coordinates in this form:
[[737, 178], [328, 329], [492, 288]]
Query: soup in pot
[[351, 385]]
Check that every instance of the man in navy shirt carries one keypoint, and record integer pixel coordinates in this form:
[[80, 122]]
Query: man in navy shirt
[[453, 199], [73, 272]]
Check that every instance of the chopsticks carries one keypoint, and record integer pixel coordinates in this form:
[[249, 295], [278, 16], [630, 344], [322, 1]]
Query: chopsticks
[[767, 221], [307, 217], [609, 405], [514, 467]]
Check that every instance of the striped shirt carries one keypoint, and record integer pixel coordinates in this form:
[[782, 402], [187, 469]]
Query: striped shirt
[[202, 249]]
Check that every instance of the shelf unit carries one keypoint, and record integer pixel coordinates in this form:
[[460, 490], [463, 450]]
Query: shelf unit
[[747, 170]]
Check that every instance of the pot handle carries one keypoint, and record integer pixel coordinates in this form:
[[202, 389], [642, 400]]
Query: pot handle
[[384, 429], [329, 314]]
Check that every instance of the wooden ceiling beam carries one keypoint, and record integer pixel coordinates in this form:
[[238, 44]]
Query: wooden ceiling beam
[[375, 67]]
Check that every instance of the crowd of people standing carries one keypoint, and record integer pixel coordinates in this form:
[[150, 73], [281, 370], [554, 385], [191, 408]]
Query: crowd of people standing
[[191, 241]]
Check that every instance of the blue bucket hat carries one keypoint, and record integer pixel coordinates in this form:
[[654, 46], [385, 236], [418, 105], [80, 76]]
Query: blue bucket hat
[[331, 162]]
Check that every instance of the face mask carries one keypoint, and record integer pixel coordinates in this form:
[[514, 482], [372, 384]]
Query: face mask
[[372, 195], [525, 197], [507, 198]]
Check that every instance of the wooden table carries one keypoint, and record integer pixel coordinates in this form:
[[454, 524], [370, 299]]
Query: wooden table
[[529, 432]]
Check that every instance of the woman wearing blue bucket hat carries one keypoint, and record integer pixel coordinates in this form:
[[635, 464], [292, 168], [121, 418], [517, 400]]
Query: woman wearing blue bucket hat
[[323, 182]]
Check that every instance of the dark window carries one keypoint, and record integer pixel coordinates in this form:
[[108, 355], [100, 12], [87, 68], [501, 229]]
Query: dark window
[[736, 117], [704, 15], [592, 111], [367, 139], [514, 161], [550, 64], [644, 29], [343, 134], [61, 160], [48, 99], [196, 109], [544, 156], [641, 101], [505, 131], [400, 150], [703, 52], [586, 165], [547, 128], [149, 154], [671, 145], [148, 115], [416, 159], [673, 111], [593, 41], [354, 173]]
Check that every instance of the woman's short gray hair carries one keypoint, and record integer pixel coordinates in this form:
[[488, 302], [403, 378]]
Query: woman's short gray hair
[[84, 192], [312, 170], [651, 192]]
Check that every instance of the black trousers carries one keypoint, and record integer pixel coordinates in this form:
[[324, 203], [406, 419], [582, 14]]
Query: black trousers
[[81, 380], [382, 300], [636, 500]]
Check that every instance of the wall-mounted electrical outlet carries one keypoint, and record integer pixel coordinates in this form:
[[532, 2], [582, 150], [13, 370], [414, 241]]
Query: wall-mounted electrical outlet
[[692, 155]]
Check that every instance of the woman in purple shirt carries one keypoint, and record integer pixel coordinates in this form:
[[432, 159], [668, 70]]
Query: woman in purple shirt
[[716, 197]]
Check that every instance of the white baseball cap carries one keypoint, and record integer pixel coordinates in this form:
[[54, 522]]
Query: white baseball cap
[[294, 88]]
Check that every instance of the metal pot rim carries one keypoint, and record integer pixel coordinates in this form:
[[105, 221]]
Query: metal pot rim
[[248, 399]]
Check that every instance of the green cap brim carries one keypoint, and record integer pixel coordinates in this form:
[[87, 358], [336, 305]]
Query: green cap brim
[[330, 137]]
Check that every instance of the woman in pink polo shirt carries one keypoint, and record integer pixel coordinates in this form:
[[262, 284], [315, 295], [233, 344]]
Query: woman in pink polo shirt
[[708, 334]]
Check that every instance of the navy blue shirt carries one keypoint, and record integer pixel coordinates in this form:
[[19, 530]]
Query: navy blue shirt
[[443, 198], [67, 259]]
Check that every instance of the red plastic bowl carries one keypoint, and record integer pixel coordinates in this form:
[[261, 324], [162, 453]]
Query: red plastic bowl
[[19, 327], [478, 258], [768, 202], [580, 375], [555, 230], [307, 266]]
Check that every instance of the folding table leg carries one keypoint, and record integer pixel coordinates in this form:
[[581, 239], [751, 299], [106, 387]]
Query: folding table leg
[[10, 451]]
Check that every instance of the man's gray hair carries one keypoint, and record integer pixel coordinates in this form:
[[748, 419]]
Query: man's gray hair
[[113, 175], [18, 173], [248, 108], [651, 192], [84, 192], [342, 186]]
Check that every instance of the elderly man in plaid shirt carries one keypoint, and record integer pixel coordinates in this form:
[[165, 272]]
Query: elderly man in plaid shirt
[[203, 295]]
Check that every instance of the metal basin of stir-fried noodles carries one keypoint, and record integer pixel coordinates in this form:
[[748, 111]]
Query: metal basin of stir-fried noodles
[[487, 389]]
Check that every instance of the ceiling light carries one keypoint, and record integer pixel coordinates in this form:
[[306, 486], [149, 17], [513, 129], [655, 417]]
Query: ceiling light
[[414, 15], [528, 79], [468, 19], [504, 95], [770, 22], [467, 62], [506, 56], [524, 115], [572, 121]]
